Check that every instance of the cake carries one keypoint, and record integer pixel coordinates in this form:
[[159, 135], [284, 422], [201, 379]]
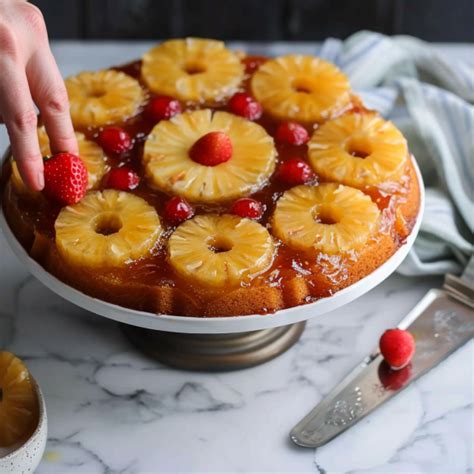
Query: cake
[[259, 184]]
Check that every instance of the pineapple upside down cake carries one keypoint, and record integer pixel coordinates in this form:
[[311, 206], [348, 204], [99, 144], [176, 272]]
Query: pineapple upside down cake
[[219, 184]]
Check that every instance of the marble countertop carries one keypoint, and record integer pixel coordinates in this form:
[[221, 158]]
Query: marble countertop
[[113, 410]]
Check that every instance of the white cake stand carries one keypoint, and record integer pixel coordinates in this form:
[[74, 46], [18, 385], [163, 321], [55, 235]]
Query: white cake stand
[[219, 342]]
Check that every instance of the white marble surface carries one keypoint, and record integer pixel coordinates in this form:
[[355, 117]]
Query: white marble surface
[[112, 410]]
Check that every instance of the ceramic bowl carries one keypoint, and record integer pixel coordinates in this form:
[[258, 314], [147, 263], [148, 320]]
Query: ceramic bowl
[[216, 325], [27, 457]]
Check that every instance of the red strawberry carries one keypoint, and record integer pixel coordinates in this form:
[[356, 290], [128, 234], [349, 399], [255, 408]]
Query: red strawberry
[[65, 178], [295, 171], [162, 107], [247, 207], [397, 347], [292, 133], [212, 149], [123, 179], [178, 210], [246, 106], [115, 140]]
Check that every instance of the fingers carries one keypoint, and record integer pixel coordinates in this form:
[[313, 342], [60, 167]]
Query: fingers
[[20, 119], [50, 95]]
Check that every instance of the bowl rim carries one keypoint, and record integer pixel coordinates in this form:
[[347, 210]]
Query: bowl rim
[[42, 424], [220, 324]]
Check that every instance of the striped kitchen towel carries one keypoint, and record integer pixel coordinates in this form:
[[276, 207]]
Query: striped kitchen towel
[[430, 98]]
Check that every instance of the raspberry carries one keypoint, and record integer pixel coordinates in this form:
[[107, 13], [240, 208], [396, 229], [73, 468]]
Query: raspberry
[[65, 178], [295, 171], [178, 210], [123, 179], [115, 140], [247, 207], [292, 133], [397, 347], [246, 106], [212, 149], [162, 107]]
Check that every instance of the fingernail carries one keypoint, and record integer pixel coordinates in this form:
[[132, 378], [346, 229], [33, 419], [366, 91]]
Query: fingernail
[[40, 180]]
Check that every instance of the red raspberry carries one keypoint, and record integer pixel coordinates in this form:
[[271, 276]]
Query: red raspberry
[[397, 347], [295, 171], [212, 149], [115, 140], [65, 178], [292, 133], [246, 106], [247, 207], [162, 107], [178, 210], [123, 179]]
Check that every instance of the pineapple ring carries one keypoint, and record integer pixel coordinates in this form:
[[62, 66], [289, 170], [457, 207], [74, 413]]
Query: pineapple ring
[[192, 69], [109, 228], [358, 150], [103, 97], [91, 154], [216, 251], [19, 411], [303, 88], [329, 218], [18, 183], [169, 168]]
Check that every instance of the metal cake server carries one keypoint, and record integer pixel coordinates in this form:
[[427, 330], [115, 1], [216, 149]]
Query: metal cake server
[[441, 323]]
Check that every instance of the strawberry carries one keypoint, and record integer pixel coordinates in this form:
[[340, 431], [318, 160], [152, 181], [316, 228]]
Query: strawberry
[[397, 347], [246, 106], [65, 178], [212, 149], [247, 207], [162, 107], [292, 133], [178, 210], [295, 171], [123, 179], [115, 140]]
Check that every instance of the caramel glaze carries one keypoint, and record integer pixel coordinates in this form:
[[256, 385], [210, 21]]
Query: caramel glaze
[[293, 278]]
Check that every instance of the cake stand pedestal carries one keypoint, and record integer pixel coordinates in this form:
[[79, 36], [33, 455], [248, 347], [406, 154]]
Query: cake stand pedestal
[[214, 352]]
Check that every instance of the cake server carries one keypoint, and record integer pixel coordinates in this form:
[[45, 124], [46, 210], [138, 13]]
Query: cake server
[[441, 323]]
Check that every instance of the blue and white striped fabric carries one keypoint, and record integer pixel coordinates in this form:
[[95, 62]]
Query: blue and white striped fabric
[[430, 98]]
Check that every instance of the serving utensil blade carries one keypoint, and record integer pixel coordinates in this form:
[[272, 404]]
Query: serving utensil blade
[[441, 322]]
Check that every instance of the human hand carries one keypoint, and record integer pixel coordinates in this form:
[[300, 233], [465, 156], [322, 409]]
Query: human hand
[[29, 75]]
